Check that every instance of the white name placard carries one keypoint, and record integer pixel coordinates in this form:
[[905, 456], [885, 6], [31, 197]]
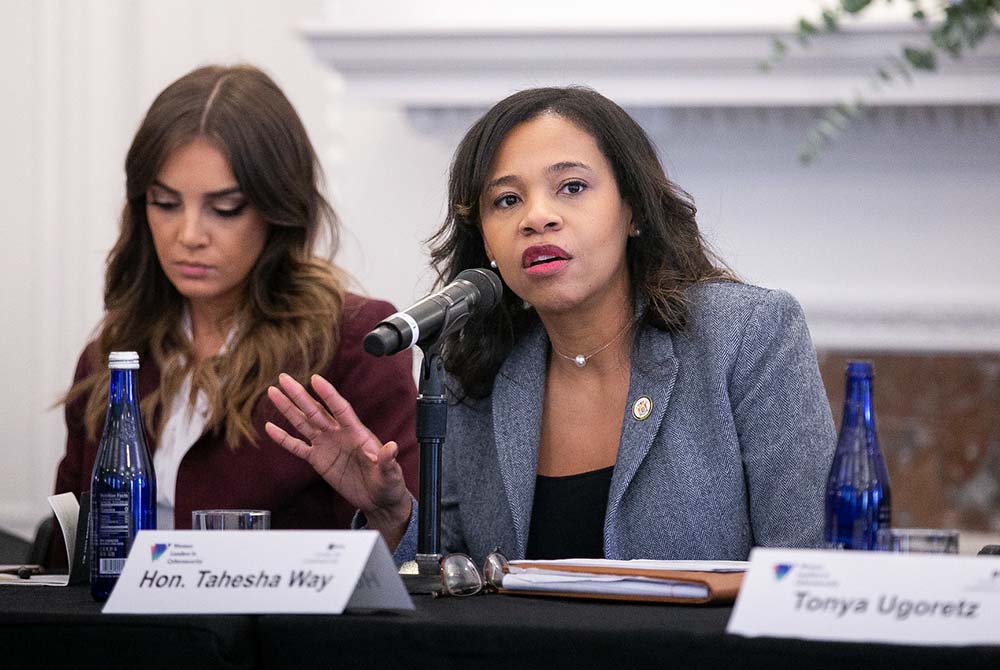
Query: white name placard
[[862, 596], [251, 572]]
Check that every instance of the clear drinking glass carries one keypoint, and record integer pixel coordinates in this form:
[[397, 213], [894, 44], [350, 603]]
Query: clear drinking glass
[[918, 540], [231, 519]]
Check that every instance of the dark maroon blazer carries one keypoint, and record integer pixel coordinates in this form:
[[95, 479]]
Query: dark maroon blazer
[[263, 475]]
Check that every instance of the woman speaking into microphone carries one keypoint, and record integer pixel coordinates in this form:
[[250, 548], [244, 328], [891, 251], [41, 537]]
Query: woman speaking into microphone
[[629, 398]]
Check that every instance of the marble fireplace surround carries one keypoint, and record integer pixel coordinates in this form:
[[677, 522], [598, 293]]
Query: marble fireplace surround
[[443, 78]]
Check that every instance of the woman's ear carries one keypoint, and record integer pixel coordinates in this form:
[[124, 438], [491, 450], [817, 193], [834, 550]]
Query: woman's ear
[[632, 225]]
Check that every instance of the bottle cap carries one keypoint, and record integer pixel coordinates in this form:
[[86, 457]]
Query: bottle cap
[[859, 369], [123, 360]]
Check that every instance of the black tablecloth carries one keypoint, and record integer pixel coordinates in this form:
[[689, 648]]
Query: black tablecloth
[[43, 627], [51, 627]]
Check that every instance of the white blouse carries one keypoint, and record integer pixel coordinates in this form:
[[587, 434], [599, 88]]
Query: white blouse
[[185, 424]]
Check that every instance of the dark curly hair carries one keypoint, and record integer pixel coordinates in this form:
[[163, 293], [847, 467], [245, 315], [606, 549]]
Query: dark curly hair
[[669, 256]]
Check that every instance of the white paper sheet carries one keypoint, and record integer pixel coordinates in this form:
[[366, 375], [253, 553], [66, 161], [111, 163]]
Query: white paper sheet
[[546, 580], [67, 511], [646, 564], [35, 580]]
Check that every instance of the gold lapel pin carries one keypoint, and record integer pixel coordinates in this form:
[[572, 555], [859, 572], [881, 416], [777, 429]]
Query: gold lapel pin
[[642, 408]]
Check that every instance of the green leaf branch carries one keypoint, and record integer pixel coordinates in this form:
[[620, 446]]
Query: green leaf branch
[[951, 28]]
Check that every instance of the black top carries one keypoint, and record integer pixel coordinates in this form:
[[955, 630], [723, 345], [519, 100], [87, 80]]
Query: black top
[[567, 519]]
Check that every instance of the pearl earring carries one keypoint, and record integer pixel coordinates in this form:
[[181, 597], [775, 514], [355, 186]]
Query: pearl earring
[[493, 264]]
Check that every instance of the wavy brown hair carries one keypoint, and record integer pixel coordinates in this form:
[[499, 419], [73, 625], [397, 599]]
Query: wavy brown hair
[[668, 256], [289, 316]]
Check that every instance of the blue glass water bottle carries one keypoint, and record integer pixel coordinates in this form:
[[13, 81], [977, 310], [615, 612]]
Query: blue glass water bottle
[[857, 491], [123, 485]]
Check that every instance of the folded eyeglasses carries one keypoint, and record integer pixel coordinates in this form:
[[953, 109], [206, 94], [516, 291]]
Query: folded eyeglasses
[[459, 576]]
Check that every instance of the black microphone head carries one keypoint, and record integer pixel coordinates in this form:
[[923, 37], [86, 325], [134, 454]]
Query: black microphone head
[[383, 339], [489, 285]]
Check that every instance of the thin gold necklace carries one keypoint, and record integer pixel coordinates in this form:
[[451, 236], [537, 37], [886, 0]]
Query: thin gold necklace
[[581, 359]]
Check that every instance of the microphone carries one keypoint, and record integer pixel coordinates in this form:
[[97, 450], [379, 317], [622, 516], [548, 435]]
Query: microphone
[[473, 292]]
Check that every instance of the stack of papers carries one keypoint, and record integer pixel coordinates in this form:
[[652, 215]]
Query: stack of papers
[[691, 582]]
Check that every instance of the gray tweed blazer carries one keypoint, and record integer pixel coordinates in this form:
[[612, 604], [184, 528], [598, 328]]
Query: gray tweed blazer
[[734, 453]]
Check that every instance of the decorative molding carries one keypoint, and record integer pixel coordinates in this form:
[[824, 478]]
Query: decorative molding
[[645, 67], [448, 123], [844, 326]]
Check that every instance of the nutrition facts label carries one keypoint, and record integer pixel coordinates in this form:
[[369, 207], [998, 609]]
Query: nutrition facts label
[[112, 531]]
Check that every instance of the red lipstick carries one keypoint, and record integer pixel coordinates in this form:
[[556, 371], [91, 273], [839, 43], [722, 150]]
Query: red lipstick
[[544, 260]]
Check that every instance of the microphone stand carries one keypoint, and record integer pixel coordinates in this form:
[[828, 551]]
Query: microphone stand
[[432, 427]]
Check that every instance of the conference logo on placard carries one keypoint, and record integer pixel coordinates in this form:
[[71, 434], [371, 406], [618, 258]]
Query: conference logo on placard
[[781, 570], [177, 553], [330, 554]]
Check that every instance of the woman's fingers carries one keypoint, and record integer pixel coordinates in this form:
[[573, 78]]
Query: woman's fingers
[[316, 423], [340, 409], [308, 416], [284, 405], [387, 457], [292, 444], [341, 449], [291, 412], [343, 415]]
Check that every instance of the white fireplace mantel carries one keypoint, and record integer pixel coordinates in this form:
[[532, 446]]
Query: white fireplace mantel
[[644, 67]]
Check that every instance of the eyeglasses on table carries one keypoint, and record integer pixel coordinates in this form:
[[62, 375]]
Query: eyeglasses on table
[[460, 577]]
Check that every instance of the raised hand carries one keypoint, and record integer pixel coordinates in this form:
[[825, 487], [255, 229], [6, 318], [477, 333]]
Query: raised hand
[[345, 453]]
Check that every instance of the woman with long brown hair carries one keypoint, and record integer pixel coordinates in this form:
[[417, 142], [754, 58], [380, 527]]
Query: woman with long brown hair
[[629, 398], [215, 281]]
